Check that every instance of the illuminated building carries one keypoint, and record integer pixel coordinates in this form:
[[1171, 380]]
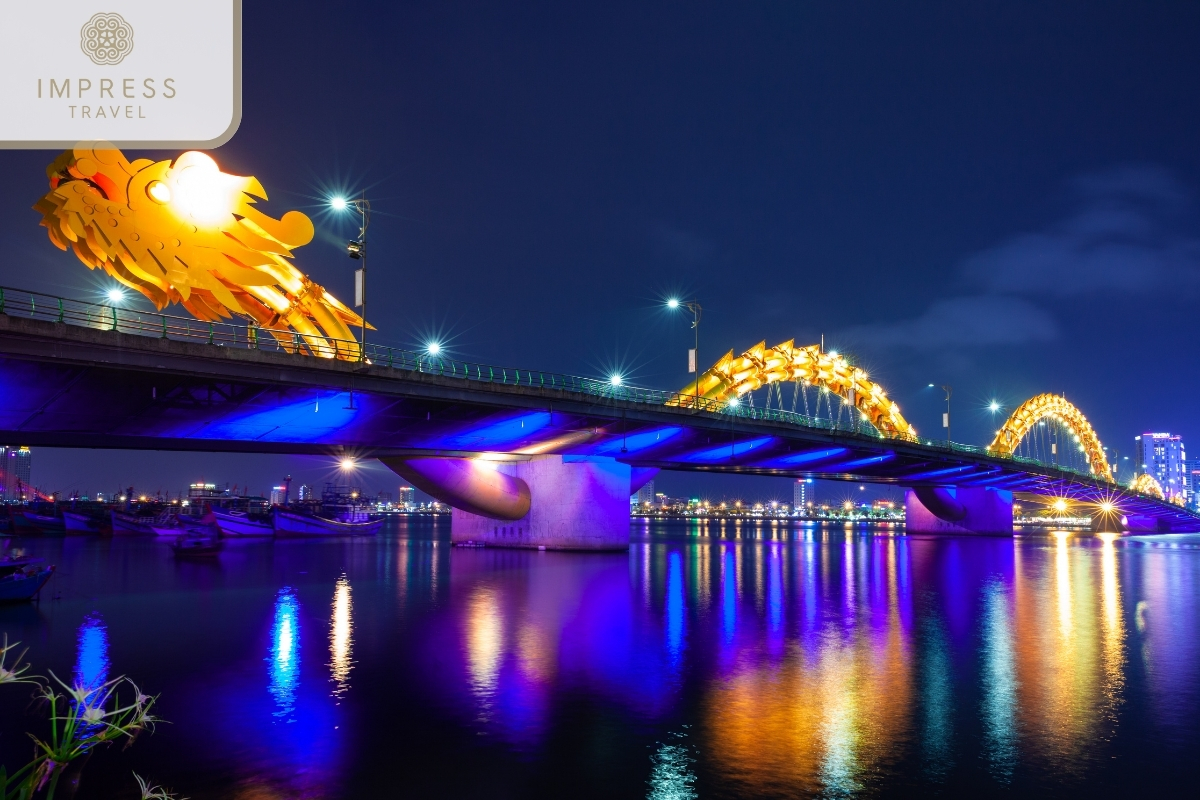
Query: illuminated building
[[407, 497], [645, 494], [1162, 456], [800, 494], [15, 464]]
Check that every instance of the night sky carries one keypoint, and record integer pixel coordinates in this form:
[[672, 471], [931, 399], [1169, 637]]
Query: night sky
[[998, 196]]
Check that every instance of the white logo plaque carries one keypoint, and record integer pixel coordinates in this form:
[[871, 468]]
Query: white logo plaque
[[137, 73]]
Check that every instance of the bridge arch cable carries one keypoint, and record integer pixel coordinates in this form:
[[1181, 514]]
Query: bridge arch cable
[[1051, 430], [830, 375]]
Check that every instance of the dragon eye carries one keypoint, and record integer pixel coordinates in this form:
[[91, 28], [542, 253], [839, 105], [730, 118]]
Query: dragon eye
[[159, 192]]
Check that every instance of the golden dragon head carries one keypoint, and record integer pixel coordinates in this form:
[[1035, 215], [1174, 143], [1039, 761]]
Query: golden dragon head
[[183, 231]]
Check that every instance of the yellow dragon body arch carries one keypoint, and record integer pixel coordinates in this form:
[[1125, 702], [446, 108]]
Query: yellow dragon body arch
[[734, 376], [1147, 484], [185, 232], [1052, 406]]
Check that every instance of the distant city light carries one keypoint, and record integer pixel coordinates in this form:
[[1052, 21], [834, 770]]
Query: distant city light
[[115, 295], [433, 348], [615, 380], [338, 204]]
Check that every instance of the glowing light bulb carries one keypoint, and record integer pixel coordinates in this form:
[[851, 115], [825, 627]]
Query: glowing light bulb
[[159, 192], [115, 295], [993, 406], [673, 303], [347, 463], [615, 380], [433, 348], [338, 203]]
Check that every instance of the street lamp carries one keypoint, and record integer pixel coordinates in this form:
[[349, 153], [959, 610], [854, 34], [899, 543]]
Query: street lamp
[[357, 249], [946, 417], [693, 354], [115, 295]]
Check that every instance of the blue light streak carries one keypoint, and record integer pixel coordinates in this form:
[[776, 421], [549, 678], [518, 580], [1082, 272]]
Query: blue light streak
[[284, 659], [675, 607], [727, 451]]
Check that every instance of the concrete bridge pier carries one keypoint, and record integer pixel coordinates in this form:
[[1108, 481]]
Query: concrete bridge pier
[[542, 502], [967, 509]]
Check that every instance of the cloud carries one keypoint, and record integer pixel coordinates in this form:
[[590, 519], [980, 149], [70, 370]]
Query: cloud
[[977, 321], [1133, 230]]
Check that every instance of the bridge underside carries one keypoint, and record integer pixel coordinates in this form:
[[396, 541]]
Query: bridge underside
[[67, 386]]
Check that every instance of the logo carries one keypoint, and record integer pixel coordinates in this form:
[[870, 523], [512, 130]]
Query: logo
[[106, 39]]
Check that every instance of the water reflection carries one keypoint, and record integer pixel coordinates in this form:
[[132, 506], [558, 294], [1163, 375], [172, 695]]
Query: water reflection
[[341, 638], [767, 661], [671, 774], [999, 712], [91, 654], [1068, 644], [818, 670], [284, 660]]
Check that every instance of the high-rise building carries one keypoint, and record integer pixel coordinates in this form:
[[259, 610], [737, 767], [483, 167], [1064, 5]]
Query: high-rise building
[[1192, 476], [408, 497], [1162, 455], [645, 494], [800, 494], [15, 463]]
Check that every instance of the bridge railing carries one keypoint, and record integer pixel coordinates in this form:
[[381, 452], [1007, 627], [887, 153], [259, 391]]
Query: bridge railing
[[110, 316]]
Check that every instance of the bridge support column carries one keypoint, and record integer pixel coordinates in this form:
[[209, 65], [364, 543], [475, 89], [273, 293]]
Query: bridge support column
[[550, 502], [574, 505], [967, 509]]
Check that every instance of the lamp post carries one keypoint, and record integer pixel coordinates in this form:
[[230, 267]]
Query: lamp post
[[946, 416], [357, 249], [694, 354]]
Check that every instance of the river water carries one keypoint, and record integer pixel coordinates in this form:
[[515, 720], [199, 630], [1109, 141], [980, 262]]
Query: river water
[[713, 661]]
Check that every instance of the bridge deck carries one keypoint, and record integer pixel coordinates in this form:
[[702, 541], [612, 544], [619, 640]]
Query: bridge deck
[[75, 385]]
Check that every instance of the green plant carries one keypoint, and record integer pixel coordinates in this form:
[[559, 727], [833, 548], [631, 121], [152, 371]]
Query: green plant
[[81, 719]]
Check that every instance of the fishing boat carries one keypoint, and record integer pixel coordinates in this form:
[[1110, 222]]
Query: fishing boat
[[78, 524], [10, 564], [196, 543], [288, 523], [29, 522], [23, 584], [237, 524], [125, 524], [178, 525]]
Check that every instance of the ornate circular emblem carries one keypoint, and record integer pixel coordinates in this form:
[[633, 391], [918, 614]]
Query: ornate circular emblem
[[106, 38]]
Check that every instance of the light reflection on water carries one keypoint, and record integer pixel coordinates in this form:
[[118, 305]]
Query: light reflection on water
[[767, 661], [341, 638], [284, 659]]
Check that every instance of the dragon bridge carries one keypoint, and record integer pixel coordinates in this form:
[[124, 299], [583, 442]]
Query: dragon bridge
[[734, 376], [182, 231], [1147, 484], [1054, 407]]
